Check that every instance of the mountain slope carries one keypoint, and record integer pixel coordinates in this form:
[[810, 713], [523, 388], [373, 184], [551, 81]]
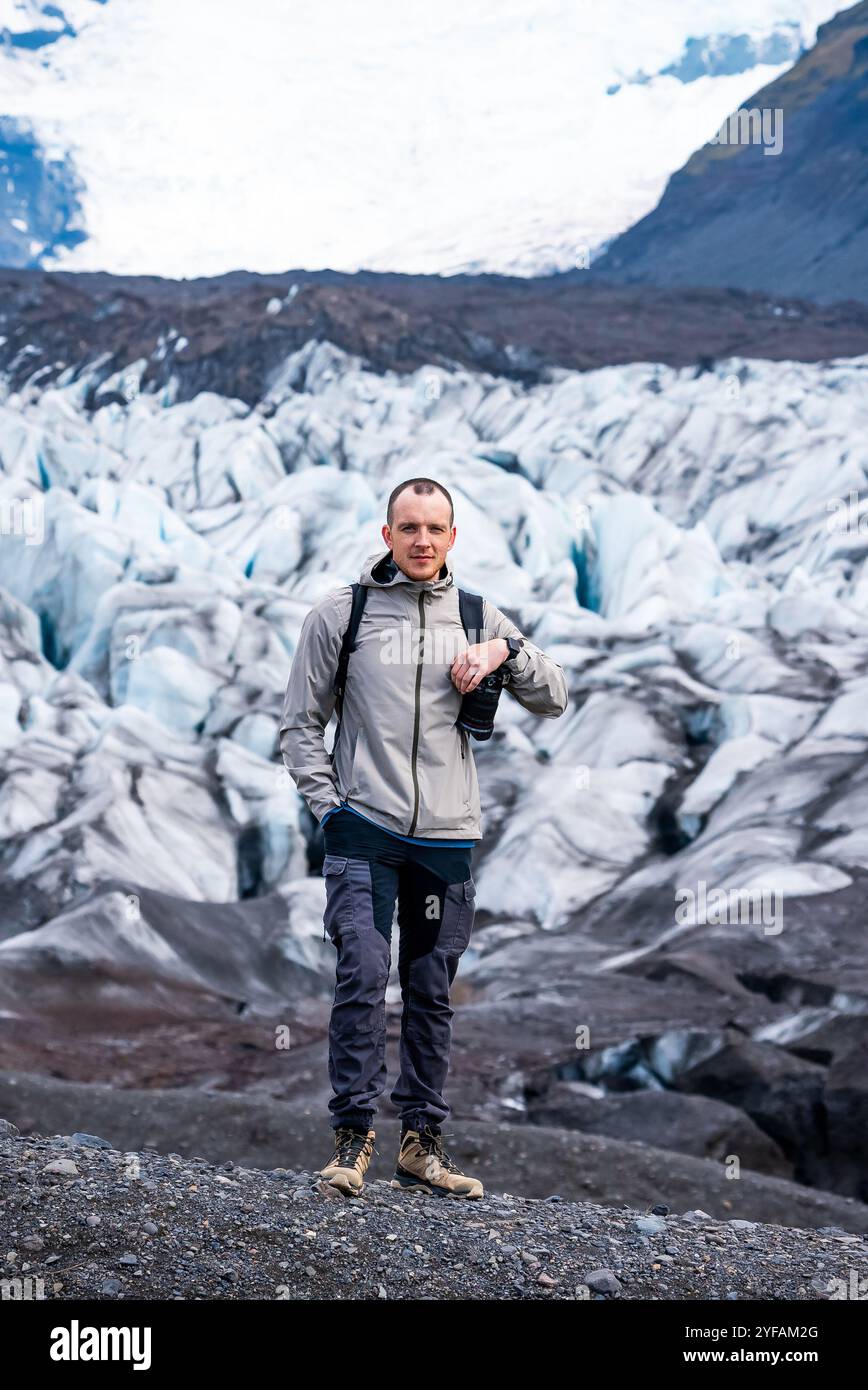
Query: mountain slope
[[791, 223]]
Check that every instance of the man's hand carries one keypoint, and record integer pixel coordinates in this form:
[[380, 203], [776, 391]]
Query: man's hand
[[469, 668]]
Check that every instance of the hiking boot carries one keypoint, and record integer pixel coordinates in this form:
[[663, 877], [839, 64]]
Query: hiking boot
[[346, 1168], [424, 1166]]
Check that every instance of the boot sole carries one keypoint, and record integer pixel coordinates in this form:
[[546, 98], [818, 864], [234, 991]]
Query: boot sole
[[343, 1185], [407, 1184]]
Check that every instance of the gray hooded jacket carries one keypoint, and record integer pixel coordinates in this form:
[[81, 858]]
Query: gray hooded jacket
[[401, 759]]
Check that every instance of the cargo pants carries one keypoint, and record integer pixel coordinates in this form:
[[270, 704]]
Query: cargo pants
[[366, 870]]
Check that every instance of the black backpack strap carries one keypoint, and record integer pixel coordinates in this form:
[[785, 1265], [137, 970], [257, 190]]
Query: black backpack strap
[[360, 594], [470, 607]]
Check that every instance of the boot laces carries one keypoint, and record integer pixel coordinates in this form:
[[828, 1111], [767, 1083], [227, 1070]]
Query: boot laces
[[349, 1146], [433, 1144]]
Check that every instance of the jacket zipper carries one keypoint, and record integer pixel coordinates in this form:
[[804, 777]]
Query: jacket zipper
[[412, 829]]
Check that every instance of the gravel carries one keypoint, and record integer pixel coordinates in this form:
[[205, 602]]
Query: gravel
[[93, 1222]]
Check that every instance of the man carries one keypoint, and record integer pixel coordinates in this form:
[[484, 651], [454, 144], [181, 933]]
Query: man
[[398, 800]]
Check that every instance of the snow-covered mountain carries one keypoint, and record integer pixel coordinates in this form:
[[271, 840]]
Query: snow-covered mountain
[[196, 138], [693, 549]]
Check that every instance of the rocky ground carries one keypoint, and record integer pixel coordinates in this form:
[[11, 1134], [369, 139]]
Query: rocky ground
[[94, 1222], [536, 1160]]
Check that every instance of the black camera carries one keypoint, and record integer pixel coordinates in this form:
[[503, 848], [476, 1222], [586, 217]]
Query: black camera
[[479, 706]]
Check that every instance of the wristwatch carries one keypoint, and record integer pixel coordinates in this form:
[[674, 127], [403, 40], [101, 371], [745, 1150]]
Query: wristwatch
[[515, 645]]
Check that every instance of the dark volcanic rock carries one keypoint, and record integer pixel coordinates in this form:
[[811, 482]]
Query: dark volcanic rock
[[216, 334], [690, 1124], [783, 1094]]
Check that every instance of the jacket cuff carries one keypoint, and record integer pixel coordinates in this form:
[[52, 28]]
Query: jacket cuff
[[518, 664]]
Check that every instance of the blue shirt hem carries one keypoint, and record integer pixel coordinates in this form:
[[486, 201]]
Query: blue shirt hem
[[408, 839]]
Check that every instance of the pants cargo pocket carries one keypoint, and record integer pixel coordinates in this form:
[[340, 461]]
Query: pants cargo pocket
[[339, 908], [363, 953], [458, 913]]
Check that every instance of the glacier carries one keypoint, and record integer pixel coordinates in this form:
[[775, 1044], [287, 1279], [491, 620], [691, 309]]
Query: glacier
[[718, 658], [684, 541]]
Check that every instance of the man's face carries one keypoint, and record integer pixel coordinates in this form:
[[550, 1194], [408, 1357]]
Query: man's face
[[420, 534]]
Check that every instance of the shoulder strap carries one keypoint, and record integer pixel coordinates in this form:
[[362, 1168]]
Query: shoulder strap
[[470, 607], [360, 594]]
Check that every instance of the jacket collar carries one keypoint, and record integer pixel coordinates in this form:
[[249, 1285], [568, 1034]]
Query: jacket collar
[[381, 572]]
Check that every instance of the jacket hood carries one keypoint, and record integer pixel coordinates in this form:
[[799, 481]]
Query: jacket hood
[[381, 572]]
